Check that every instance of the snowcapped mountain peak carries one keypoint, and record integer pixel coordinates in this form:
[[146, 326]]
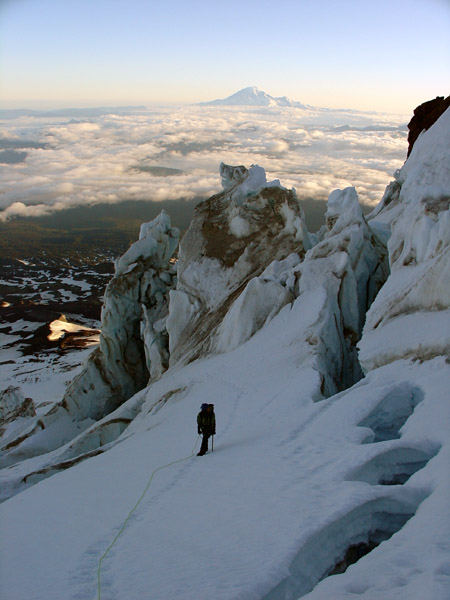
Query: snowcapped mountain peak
[[252, 90], [252, 96]]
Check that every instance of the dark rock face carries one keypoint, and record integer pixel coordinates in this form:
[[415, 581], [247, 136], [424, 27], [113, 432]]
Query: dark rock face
[[425, 115]]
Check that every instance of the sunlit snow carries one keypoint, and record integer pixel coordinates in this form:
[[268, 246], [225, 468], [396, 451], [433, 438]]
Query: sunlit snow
[[315, 489]]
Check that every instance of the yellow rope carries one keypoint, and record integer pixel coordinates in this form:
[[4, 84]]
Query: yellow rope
[[134, 508]]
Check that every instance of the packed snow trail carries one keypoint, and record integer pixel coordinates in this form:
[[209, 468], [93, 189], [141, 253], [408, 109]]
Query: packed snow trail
[[133, 509]]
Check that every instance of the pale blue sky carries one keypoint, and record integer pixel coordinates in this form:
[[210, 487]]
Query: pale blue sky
[[386, 55]]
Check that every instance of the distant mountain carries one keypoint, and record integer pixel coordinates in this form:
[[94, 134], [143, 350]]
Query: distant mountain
[[252, 96]]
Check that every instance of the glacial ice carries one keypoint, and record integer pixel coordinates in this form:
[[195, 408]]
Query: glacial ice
[[411, 312], [137, 296], [325, 482], [133, 347], [260, 301]]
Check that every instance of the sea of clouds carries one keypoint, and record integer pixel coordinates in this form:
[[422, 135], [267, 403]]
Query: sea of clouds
[[51, 162]]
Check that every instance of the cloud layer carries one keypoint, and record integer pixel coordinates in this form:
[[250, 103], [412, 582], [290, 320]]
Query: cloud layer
[[174, 153]]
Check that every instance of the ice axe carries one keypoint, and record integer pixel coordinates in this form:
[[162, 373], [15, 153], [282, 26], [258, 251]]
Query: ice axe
[[212, 443]]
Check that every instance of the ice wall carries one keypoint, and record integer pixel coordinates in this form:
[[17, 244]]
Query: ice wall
[[331, 286], [248, 253], [133, 343], [404, 351], [133, 346], [410, 317]]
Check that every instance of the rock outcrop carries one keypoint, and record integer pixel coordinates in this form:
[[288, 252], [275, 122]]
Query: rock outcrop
[[425, 115], [329, 288], [232, 238]]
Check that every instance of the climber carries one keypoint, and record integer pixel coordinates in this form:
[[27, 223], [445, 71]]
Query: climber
[[206, 425]]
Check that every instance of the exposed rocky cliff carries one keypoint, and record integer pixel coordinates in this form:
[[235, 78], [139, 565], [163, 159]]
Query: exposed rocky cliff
[[425, 115]]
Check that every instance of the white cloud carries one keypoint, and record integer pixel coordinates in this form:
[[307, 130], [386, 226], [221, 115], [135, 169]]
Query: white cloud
[[94, 161]]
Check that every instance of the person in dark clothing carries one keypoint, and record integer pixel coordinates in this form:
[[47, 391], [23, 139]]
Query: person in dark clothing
[[206, 425]]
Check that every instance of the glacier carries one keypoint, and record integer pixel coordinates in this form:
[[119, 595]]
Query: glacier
[[326, 356]]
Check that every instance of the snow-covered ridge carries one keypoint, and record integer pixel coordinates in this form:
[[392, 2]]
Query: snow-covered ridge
[[324, 483]]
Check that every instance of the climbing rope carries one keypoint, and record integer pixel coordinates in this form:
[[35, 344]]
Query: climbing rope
[[133, 509]]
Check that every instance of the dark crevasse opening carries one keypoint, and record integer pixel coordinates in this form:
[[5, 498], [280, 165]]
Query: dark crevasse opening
[[343, 542], [355, 552]]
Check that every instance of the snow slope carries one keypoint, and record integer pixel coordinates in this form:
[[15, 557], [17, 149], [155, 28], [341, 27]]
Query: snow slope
[[299, 485], [290, 486]]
